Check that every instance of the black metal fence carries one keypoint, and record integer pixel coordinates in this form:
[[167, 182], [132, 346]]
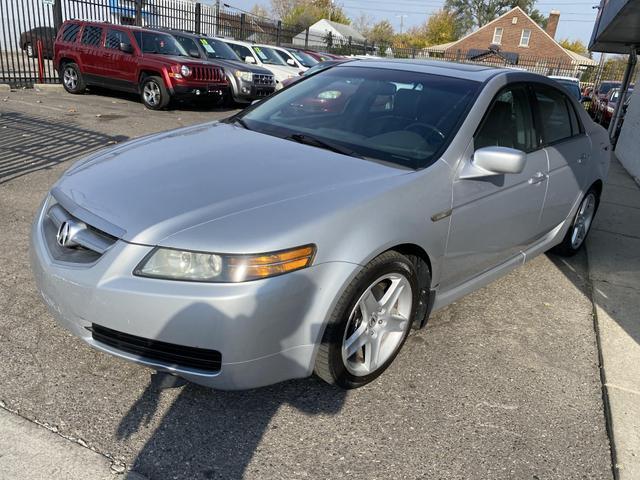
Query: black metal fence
[[29, 27]]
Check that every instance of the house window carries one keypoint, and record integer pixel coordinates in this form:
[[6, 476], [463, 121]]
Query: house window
[[524, 38], [497, 36]]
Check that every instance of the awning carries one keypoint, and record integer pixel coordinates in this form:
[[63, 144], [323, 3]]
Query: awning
[[617, 26]]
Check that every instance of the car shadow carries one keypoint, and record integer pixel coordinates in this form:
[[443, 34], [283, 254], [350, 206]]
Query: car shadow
[[212, 434], [30, 143], [200, 104]]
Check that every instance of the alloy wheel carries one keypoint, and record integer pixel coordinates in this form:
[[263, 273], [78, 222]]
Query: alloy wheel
[[583, 220], [377, 323], [70, 78], [152, 93]]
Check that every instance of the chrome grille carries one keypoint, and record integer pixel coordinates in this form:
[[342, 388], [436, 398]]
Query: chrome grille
[[208, 74], [263, 79], [87, 244]]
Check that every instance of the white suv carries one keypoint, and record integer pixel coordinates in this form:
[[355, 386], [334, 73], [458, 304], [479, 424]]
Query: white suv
[[263, 56]]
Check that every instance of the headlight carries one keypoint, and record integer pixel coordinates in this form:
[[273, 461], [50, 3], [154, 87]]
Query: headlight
[[246, 76], [185, 71], [171, 264]]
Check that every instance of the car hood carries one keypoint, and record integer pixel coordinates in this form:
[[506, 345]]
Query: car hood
[[282, 72], [240, 65], [158, 185]]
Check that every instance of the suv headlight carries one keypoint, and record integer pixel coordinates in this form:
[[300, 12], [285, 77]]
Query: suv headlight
[[245, 76], [185, 71], [172, 264]]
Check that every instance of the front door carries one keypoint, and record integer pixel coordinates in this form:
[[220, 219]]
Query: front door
[[120, 68], [495, 217]]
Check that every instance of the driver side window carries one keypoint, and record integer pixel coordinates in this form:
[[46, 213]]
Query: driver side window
[[508, 122]]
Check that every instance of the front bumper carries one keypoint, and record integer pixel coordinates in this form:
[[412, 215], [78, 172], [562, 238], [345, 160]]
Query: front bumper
[[249, 92], [196, 90], [266, 331]]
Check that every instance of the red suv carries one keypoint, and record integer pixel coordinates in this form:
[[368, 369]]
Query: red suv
[[132, 59]]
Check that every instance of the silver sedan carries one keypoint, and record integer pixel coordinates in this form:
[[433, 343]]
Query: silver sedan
[[312, 231]]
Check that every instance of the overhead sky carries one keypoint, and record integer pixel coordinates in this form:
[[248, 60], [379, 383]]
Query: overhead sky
[[576, 17]]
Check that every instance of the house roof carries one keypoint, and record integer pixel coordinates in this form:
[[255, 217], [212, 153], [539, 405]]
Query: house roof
[[571, 55], [581, 59], [345, 30]]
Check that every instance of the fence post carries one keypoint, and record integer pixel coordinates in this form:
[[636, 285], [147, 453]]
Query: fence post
[[413, 52], [139, 13], [198, 19], [243, 19], [350, 40], [215, 25], [330, 40], [365, 46], [279, 33], [57, 14], [306, 38]]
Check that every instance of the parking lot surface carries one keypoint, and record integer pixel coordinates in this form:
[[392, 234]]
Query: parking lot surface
[[503, 384]]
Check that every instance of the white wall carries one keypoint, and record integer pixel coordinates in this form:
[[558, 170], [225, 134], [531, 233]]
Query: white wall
[[628, 147]]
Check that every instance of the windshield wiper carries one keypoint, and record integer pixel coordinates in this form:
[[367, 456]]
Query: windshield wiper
[[316, 142]]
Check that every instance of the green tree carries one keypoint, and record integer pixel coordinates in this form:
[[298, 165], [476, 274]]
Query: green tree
[[304, 13], [472, 14], [575, 46], [381, 33], [441, 28]]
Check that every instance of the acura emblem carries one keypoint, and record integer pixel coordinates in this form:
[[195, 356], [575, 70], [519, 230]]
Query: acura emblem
[[66, 232]]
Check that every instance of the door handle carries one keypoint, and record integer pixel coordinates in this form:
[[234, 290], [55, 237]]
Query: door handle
[[537, 178], [582, 158]]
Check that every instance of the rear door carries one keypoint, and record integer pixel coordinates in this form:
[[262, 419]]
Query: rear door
[[120, 68], [568, 149], [91, 52], [494, 218]]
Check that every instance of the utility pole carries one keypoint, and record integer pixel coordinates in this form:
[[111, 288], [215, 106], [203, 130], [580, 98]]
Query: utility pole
[[401, 17], [215, 25]]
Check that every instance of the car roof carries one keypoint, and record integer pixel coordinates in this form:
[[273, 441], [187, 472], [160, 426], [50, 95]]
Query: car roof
[[469, 71], [561, 77]]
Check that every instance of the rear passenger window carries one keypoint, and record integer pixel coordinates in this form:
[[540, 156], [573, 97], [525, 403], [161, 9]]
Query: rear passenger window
[[91, 36], [508, 122], [115, 38], [554, 114], [188, 44], [70, 32], [576, 127]]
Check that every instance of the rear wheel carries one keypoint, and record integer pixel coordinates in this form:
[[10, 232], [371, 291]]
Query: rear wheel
[[153, 93], [72, 80], [577, 234], [370, 323]]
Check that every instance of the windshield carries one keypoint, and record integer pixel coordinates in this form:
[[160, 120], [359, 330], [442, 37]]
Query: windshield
[[303, 58], [573, 87], [268, 56], [160, 43], [405, 118], [217, 49], [606, 86]]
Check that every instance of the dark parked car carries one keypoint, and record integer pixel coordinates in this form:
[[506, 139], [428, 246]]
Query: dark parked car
[[608, 105], [29, 41], [133, 59], [247, 82]]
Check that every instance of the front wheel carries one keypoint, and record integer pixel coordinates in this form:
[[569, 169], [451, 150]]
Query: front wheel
[[370, 323], [154, 94], [577, 234]]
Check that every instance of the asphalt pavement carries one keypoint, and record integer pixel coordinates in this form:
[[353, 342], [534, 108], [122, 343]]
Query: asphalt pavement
[[503, 384]]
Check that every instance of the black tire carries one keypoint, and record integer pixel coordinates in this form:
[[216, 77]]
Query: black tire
[[72, 79], [153, 93], [568, 247], [330, 365]]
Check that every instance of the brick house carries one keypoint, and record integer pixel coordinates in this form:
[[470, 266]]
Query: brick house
[[514, 39]]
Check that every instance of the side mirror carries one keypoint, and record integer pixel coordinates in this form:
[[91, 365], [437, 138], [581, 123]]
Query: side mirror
[[126, 47], [489, 161], [194, 53], [249, 59], [290, 62]]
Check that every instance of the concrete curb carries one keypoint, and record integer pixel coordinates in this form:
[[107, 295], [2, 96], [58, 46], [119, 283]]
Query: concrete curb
[[48, 87]]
